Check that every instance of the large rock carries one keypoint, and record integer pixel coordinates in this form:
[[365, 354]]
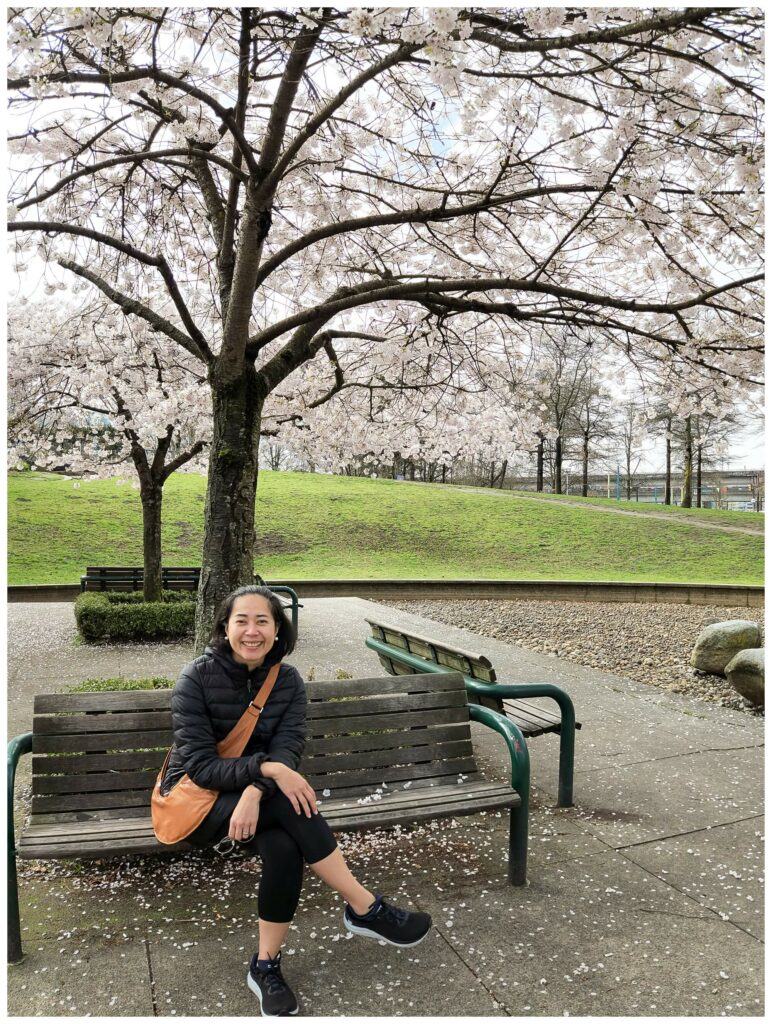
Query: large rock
[[717, 644], [746, 674]]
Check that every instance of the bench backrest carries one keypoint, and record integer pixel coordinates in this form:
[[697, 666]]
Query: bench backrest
[[131, 577], [455, 659], [473, 666], [98, 754]]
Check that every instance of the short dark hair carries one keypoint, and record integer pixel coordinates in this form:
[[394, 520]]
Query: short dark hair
[[286, 635]]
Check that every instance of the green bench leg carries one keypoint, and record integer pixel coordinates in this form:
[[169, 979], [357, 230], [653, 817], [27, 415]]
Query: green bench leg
[[18, 746], [518, 843], [566, 765]]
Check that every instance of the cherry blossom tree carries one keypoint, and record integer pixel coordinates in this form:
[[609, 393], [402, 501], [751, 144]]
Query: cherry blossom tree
[[110, 396], [270, 188]]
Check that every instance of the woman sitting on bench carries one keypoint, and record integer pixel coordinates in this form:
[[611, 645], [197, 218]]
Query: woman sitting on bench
[[264, 805]]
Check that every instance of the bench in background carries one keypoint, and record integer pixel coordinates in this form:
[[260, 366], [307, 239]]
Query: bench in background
[[173, 577], [401, 652]]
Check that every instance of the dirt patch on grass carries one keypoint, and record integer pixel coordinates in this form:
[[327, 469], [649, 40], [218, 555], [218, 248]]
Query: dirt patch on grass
[[187, 534], [276, 544]]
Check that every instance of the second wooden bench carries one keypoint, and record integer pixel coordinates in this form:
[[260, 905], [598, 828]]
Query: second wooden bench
[[401, 652]]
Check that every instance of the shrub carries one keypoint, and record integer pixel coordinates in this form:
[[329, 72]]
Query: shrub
[[135, 596], [119, 683], [125, 616]]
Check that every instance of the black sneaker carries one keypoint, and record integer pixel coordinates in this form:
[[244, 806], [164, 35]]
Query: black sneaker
[[276, 997], [392, 925]]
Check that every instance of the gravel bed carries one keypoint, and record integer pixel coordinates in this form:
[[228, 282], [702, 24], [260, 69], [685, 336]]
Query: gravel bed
[[651, 643]]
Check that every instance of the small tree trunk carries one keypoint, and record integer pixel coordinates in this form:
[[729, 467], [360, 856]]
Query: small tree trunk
[[151, 495], [686, 498], [540, 465], [229, 517], [699, 476], [668, 472], [503, 474], [585, 464], [558, 465]]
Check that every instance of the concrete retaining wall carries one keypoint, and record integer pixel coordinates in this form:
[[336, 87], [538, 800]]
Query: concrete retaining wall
[[506, 590]]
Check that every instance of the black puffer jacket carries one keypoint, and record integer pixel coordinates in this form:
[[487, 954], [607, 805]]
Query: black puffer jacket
[[209, 697]]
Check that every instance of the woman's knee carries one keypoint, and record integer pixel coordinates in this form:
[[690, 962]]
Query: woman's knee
[[277, 845]]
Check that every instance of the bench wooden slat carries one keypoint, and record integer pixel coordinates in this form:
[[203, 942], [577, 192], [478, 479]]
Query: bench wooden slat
[[407, 703], [98, 741], [91, 801], [324, 690], [373, 777], [95, 782], [106, 700], [385, 740], [80, 764], [362, 723], [127, 723], [85, 816], [396, 755]]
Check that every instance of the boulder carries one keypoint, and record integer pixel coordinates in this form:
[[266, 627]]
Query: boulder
[[717, 644], [746, 674]]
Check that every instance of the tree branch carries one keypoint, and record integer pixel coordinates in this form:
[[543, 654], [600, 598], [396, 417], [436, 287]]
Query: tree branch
[[426, 288], [155, 75], [149, 154], [133, 306]]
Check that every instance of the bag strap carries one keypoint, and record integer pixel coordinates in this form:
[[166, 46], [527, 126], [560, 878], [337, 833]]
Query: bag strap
[[234, 744], [265, 690]]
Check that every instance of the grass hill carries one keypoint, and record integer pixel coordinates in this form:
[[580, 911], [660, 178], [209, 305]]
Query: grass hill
[[315, 527]]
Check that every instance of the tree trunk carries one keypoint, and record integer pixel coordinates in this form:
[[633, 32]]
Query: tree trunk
[[540, 465], [503, 474], [668, 474], [151, 495], [585, 464], [699, 476], [558, 465], [686, 497], [229, 517]]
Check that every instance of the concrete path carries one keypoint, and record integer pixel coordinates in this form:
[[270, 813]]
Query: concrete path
[[644, 899]]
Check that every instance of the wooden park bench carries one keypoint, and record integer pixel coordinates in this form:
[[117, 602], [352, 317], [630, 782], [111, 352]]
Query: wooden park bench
[[401, 652], [173, 577], [390, 751]]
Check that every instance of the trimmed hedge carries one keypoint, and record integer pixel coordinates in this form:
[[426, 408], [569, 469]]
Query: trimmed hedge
[[126, 616], [119, 683]]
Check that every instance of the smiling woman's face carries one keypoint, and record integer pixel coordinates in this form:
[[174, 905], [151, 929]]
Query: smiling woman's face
[[251, 629]]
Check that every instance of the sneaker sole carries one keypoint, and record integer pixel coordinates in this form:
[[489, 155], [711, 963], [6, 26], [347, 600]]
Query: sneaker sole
[[254, 987], [365, 933]]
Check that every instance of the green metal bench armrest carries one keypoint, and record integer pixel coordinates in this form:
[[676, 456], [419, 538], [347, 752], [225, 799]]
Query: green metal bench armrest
[[521, 783], [518, 750], [293, 598], [517, 690], [18, 746]]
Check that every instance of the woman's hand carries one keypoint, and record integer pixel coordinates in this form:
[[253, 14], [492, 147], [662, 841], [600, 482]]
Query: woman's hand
[[245, 814], [293, 786]]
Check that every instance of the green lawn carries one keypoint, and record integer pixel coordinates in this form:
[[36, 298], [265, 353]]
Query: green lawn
[[312, 526]]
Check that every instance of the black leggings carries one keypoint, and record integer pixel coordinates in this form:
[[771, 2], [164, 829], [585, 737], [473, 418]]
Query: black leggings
[[284, 840]]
